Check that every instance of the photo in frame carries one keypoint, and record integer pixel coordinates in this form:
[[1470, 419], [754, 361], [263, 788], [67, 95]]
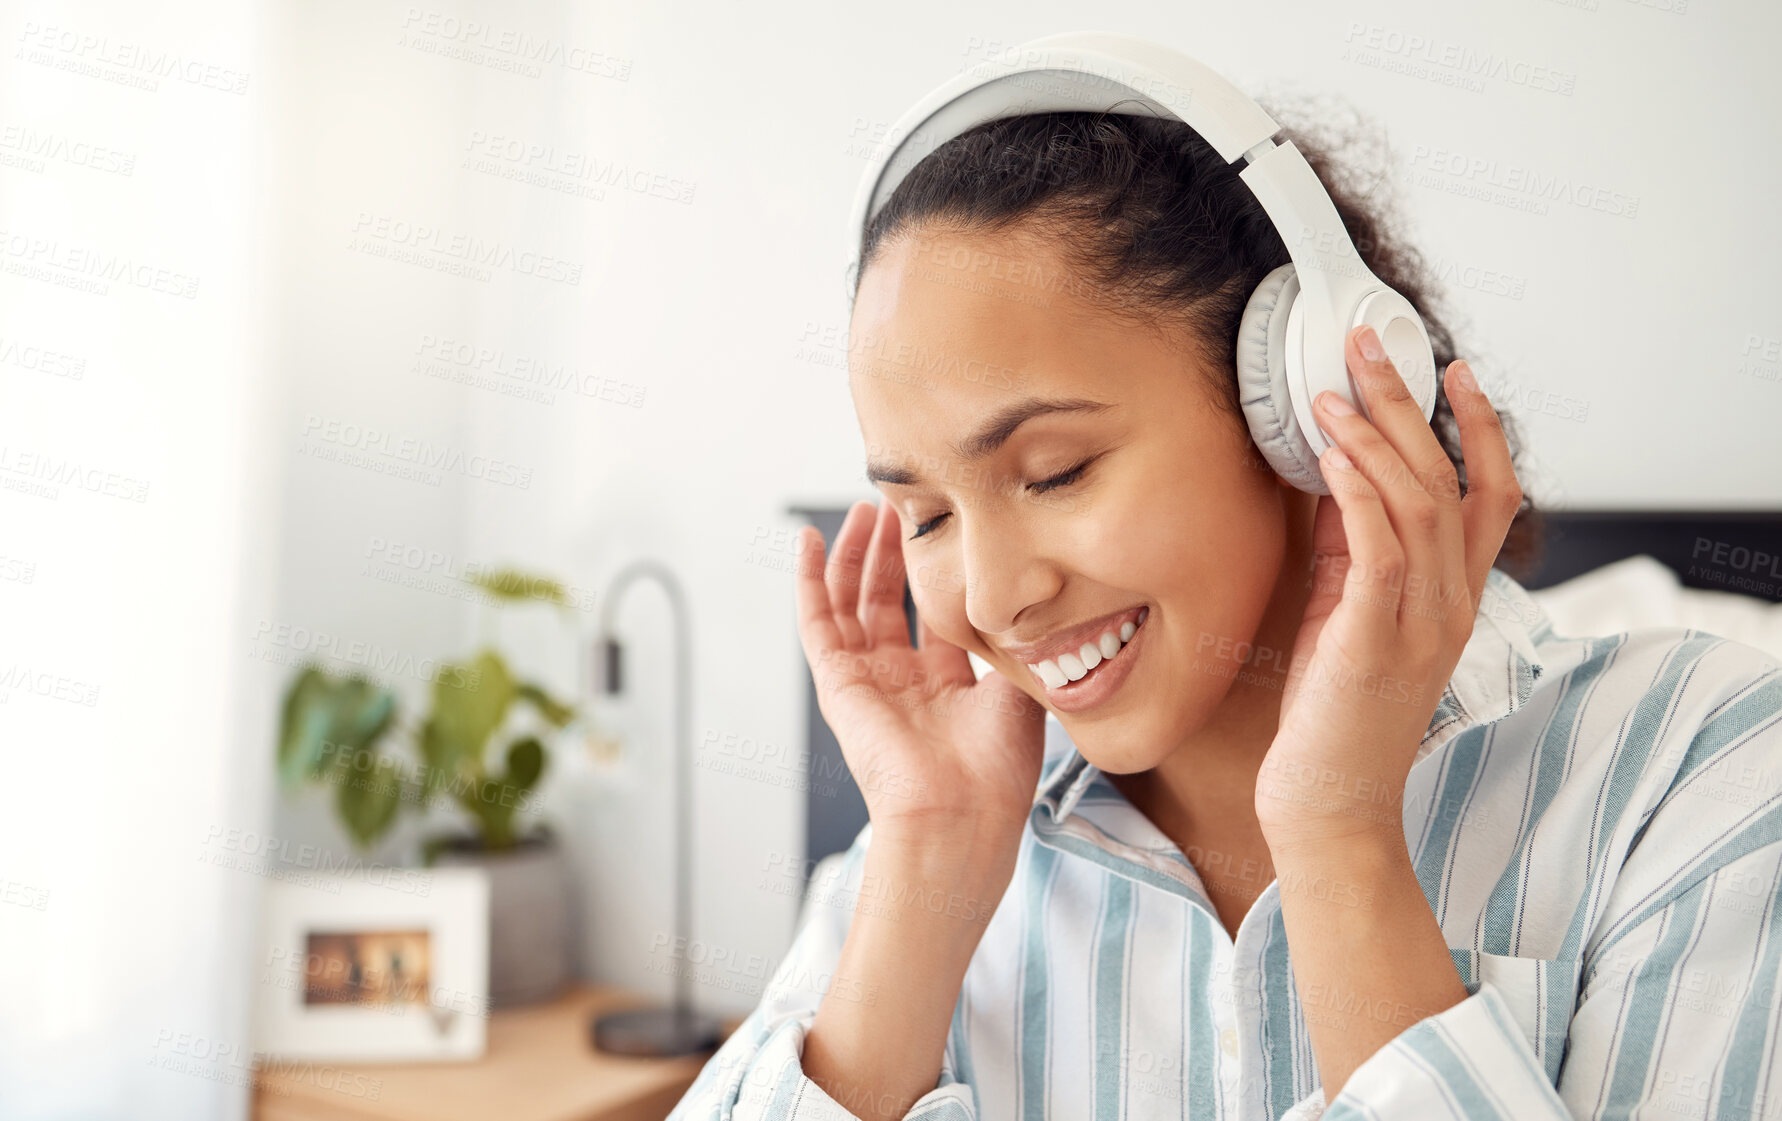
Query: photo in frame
[[385, 968]]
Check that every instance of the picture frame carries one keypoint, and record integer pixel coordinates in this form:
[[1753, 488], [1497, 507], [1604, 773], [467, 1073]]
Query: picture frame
[[392, 967]]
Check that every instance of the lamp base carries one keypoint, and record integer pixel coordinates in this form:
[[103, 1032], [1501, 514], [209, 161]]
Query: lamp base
[[656, 1032]]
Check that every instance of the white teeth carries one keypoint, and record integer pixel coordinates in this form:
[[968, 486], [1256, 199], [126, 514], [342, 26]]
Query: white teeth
[[1074, 667]]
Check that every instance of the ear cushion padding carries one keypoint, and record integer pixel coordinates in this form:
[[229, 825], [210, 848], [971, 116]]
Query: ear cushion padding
[[1262, 382]]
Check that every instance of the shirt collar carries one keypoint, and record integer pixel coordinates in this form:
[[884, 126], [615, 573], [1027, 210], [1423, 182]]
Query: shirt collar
[[1494, 677]]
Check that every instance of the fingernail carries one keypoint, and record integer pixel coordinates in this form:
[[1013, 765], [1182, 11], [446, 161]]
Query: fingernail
[[1334, 404], [1336, 457], [1370, 345], [1464, 375]]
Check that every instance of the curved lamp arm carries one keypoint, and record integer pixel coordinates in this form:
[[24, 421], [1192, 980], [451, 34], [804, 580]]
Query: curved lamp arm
[[680, 1031], [612, 684]]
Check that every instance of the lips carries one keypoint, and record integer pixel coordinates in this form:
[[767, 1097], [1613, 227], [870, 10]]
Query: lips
[[1075, 682], [1070, 640], [1073, 663]]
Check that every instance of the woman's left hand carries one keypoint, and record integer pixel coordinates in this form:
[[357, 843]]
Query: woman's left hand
[[1400, 561]]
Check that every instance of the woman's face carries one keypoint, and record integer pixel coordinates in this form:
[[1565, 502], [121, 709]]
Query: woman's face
[[1059, 472]]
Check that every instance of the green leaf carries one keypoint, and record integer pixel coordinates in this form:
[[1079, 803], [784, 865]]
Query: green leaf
[[481, 800], [365, 711], [303, 724], [548, 706], [512, 585], [326, 721], [494, 800], [469, 703], [525, 763], [368, 800], [437, 754]]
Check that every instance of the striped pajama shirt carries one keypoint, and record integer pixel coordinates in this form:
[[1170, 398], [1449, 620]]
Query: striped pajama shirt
[[1596, 822]]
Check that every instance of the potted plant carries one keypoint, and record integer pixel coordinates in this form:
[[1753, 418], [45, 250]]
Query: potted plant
[[477, 747]]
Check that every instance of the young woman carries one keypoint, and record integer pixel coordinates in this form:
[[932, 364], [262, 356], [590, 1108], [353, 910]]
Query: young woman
[[1328, 813]]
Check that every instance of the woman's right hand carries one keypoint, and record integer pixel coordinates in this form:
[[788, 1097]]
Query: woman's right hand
[[933, 749], [948, 766]]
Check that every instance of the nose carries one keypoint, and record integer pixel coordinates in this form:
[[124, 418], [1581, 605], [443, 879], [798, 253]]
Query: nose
[[1003, 573]]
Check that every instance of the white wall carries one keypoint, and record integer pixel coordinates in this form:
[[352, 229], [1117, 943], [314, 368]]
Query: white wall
[[136, 519], [371, 540]]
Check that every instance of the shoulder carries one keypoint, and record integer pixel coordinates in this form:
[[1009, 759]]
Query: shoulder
[[1632, 692], [1699, 757], [1706, 736], [1637, 763], [1633, 721], [1657, 702]]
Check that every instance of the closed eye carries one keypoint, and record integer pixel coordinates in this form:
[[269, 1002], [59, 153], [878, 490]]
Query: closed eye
[[924, 529], [1062, 479]]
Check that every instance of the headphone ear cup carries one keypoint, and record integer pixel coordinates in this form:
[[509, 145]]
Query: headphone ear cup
[[1262, 382]]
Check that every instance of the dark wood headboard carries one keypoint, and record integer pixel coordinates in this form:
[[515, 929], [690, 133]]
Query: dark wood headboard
[[1717, 550], [1727, 550]]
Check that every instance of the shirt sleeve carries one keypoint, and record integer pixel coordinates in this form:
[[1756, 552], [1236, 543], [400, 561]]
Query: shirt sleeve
[[1466, 1063], [758, 1073], [1678, 1012]]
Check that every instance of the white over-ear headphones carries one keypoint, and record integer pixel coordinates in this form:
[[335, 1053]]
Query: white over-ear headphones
[[1290, 343]]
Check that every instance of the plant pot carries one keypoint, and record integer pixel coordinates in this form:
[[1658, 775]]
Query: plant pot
[[529, 935]]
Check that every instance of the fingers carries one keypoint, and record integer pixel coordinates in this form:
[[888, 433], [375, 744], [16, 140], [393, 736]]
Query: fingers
[[817, 631], [881, 599], [1374, 471], [1493, 496], [1375, 573], [1399, 454], [855, 600], [842, 579], [1390, 408]]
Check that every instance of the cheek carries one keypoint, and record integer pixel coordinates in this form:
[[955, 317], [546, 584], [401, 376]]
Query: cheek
[[1172, 534], [1186, 504], [1203, 517], [939, 595], [1202, 535]]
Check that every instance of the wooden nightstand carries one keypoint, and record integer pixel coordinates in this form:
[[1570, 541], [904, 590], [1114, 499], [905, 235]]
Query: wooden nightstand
[[540, 1066]]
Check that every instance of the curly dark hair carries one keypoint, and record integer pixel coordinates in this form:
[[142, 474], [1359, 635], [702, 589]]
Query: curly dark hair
[[1166, 233]]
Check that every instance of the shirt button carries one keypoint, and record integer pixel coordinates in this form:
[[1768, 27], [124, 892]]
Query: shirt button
[[1228, 1042]]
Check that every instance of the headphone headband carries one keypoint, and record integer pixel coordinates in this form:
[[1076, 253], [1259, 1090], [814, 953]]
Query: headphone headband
[[1081, 71], [1107, 72]]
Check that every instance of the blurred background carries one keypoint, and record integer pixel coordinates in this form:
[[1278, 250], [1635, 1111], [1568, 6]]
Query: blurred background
[[365, 338]]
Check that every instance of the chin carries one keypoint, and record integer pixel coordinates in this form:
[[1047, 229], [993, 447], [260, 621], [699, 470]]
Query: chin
[[1142, 736], [1119, 747]]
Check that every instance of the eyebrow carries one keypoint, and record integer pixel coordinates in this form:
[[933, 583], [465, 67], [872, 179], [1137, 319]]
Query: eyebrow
[[991, 435]]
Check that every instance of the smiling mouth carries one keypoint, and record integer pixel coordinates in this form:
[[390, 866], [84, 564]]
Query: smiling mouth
[[1067, 672]]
